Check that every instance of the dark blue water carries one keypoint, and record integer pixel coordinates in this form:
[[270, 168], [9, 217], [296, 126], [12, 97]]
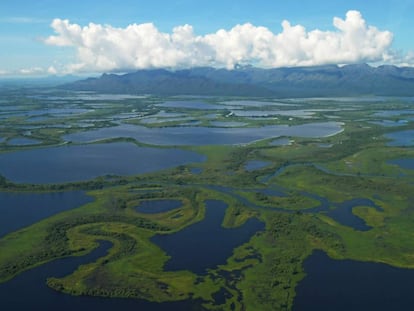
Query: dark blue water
[[403, 163], [205, 244], [196, 170], [77, 163], [401, 138], [28, 291], [158, 206], [19, 210], [345, 285], [343, 213]]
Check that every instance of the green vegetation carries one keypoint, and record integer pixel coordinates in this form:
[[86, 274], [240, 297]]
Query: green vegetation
[[261, 274]]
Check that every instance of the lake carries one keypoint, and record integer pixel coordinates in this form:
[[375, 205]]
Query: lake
[[28, 291], [344, 285], [21, 209], [206, 135], [72, 163], [205, 244]]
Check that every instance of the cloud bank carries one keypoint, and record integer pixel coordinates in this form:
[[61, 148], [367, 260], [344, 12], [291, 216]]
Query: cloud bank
[[138, 46]]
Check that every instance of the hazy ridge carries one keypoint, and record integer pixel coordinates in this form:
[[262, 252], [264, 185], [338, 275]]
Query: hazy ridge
[[331, 80]]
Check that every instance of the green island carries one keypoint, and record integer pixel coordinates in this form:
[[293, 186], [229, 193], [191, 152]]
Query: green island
[[283, 192]]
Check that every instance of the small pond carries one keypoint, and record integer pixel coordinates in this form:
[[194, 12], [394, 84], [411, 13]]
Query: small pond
[[390, 123], [158, 206], [205, 244], [156, 119], [196, 170], [227, 124], [343, 213], [253, 165], [401, 138], [283, 141], [405, 163], [393, 113], [254, 103], [325, 145], [344, 285]]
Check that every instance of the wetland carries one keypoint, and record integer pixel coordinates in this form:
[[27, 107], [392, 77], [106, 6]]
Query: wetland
[[205, 203]]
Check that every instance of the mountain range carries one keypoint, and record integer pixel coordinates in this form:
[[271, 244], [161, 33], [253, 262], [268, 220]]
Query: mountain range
[[330, 80]]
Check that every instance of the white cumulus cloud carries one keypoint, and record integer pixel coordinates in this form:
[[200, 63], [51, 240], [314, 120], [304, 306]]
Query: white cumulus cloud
[[138, 46], [30, 71]]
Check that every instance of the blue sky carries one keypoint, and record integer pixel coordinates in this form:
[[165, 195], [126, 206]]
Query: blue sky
[[25, 26]]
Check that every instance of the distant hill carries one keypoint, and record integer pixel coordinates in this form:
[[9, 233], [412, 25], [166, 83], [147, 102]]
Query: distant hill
[[332, 80]]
